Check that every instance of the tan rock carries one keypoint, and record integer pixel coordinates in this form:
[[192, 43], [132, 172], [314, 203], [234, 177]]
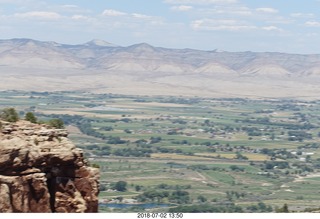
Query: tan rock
[[42, 171], [5, 204]]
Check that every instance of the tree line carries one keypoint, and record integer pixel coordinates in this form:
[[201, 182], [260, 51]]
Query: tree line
[[11, 115]]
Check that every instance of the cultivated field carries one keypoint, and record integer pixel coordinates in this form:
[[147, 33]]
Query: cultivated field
[[231, 153]]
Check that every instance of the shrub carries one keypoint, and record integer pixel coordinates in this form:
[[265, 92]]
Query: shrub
[[9, 115], [30, 117], [56, 123], [120, 186], [95, 165]]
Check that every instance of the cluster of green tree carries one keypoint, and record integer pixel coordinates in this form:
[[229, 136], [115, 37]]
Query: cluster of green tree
[[269, 165], [103, 151], [179, 121], [262, 120], [11, 115], [133, 152], [180, 100], [154, 140], [125, 120], [120, 186], [315, 210], [266, 121], [231, 195], [303, 167], [168, 150], [206, 208], [176, 165], [177, 196], [207, 143], [107, 128], [260, 207], [205, 167], [316, 163], [283, 209], [229, 208], [116, 140], [99, 150], [183, 142], [252, 131], [93, 147], [86, 128], [36, 93], [309, 146], [143, 143], [67, 119], [298, 135], [176, 187], [56, 123], [233, 99], [142, 101], [264, 111], [236, 168], [301, 116], [174, 132], [239, 156], [288, 106], [267, 151], [142, 149], [277, 153], [202, 199], [207, 123]]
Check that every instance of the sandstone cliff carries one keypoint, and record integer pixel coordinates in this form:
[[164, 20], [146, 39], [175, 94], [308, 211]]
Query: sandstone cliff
[[42, 171]]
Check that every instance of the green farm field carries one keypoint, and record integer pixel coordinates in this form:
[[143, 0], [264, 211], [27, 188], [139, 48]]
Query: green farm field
[[240, 155]]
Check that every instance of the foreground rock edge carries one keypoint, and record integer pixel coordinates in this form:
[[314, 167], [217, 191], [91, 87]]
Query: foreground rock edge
[[41, 170]]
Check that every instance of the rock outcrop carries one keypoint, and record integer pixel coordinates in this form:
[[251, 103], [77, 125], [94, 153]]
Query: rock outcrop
[[42, 171]]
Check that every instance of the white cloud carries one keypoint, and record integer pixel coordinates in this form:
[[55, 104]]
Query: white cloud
[[114, 13], [44, 15], [79, 17], [213, 24], [312, 24], [200, 2], [141, 16], [267, 10], [272, 28], [279, 20], [182, 8], [229, 11], [302, 15]]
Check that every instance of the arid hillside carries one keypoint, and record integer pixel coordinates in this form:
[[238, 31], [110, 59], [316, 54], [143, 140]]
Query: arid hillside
[[142, 69]]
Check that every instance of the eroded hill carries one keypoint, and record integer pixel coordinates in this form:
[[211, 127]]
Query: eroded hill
[[143, 69]]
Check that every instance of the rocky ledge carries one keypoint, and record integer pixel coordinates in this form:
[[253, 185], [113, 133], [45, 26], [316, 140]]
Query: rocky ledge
[[41, 170]]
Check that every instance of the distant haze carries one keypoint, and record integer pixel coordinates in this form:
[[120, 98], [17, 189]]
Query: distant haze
[[142, 69], [291, 26]]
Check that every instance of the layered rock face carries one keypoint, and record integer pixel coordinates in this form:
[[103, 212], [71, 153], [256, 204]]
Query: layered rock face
[[42, 171]]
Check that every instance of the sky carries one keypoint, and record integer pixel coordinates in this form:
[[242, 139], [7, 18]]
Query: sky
[[291, 26]]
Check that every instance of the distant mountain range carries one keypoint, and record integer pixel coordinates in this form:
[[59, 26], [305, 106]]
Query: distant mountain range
[[99, 66]]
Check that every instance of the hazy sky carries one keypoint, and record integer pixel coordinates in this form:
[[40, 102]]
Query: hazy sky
[[233, 25]]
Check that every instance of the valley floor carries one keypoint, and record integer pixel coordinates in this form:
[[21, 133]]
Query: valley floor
[[214, 154]]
